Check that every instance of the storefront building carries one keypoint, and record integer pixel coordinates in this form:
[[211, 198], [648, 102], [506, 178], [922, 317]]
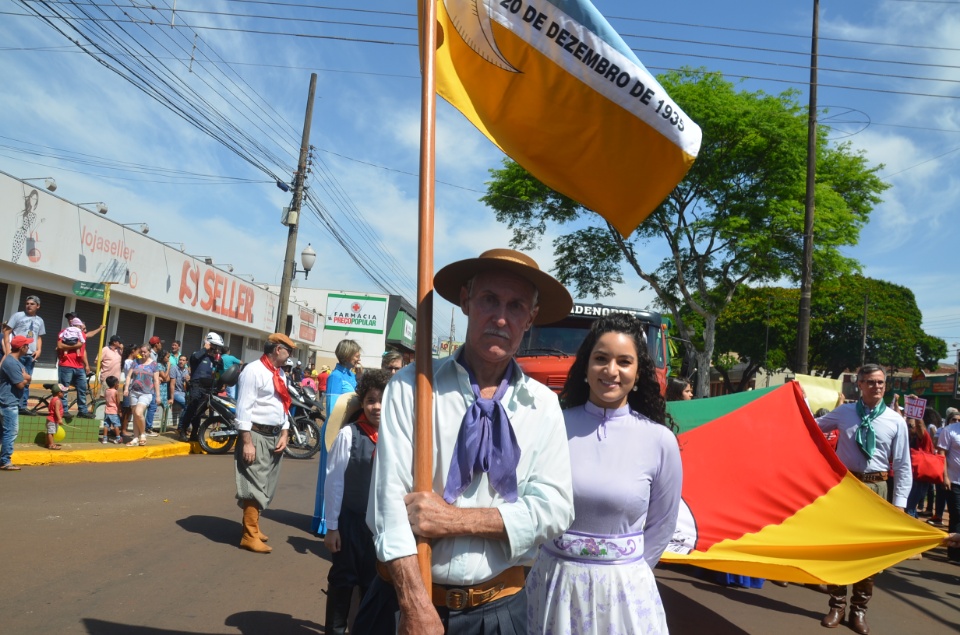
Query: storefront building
[[62, 253]]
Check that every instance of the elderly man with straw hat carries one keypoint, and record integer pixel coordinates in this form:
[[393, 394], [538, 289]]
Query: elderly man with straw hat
[[263, 402], [501, 468]]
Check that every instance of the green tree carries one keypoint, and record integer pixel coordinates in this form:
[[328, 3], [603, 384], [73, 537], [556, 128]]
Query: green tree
[[760, 327], [735, 219], [761, 323], [895, 337]]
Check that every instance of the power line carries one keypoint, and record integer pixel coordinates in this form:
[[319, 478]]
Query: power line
[[93, 160], [747, 61], [181, 11], [939, 156], [701, 56], [313, 36], [801, 67], [820, 84], [173, 101], [782, 34], [320, 7], [315, 69]]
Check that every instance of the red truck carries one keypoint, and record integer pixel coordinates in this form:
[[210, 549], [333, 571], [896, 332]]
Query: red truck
[[547, 351]]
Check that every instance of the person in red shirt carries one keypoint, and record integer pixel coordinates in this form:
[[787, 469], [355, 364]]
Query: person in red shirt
[[73, 366], [919, 440], [54, 416], [322, 387]]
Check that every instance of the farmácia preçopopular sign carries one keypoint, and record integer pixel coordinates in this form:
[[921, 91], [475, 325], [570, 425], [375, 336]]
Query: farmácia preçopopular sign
[[359, 313]]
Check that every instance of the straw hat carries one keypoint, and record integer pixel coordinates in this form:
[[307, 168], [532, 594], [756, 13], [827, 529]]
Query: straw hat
[[553, 298], [348, 404]]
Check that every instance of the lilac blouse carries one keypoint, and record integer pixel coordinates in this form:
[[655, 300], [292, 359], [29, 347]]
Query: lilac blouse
[[627, 475]]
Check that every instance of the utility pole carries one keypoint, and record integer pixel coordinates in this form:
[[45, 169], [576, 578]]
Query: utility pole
[[803, 335], [766, 345], [450, 341], [863, 341], [293, 218]]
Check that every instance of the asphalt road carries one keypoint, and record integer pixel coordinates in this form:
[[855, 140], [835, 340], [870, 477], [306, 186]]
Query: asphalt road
[[149, 548]]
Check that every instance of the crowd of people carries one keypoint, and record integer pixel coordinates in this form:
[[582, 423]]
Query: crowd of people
[[583, 487], [136, 382]]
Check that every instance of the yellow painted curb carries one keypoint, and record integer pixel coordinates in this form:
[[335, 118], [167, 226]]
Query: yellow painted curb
[[108, 454]]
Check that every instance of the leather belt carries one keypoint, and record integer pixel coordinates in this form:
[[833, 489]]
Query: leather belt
[[270, 431], [871, 477], [458, 598]]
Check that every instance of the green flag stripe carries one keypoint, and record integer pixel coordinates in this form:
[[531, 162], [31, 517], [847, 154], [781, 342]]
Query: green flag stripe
[[696, 412]]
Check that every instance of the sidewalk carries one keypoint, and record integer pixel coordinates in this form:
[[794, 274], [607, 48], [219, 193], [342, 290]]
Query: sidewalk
[[165, 445]]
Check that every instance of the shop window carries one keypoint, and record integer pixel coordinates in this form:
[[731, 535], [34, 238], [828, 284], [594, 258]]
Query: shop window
[[51, 310], [235, 343], [192, 339], [132, 328], [166, 330]]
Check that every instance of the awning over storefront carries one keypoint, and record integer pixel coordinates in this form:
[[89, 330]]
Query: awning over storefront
[[403, 331]]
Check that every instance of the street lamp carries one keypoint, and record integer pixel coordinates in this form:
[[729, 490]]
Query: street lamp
[[101, 206], [144, 228], [48, 182], [308, 257]]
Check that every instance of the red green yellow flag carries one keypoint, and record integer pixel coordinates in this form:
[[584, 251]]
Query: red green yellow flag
[[556, 88], [765, 496]]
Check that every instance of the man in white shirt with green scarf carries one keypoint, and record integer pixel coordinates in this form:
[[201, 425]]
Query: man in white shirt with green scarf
[[871, 438]]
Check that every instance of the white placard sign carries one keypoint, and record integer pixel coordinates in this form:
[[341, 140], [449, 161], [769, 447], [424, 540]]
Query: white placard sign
[[915, 406]]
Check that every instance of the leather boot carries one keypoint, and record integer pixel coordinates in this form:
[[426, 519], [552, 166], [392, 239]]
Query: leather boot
[[862, 592], [261, 535], [338, 609], [838, 606], [251, 529]]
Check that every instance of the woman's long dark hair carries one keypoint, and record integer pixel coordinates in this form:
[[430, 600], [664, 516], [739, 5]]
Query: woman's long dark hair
[[647, 399], [675, 388]]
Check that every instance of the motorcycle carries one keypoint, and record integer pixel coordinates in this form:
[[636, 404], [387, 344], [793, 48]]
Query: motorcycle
[[218, 431], [303, 438]]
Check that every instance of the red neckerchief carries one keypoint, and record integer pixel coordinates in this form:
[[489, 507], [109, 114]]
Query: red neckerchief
[[368, 429], [278, 384]]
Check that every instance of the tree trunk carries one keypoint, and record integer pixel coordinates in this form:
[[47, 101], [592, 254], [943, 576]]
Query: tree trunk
[[704, 356]]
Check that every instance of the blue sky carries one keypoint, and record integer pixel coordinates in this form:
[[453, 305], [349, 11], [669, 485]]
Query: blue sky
[[897, 103]]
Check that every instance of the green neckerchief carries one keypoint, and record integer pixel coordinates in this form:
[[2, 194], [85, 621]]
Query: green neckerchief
[[866, 436]]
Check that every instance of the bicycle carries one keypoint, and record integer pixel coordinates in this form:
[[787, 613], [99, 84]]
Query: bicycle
[[39, 405]]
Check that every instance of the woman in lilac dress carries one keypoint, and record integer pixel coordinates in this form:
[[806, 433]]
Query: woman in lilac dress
[[597, 577]]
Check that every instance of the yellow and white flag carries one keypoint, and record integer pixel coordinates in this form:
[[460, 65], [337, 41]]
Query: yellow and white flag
[[556, 88]]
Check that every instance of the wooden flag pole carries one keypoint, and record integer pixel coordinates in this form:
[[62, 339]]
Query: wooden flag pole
[[423, 409]]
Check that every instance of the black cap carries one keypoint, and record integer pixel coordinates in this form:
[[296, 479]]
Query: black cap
[[115, 338]]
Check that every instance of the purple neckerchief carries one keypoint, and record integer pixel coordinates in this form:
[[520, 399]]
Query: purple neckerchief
[[485, 443]]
